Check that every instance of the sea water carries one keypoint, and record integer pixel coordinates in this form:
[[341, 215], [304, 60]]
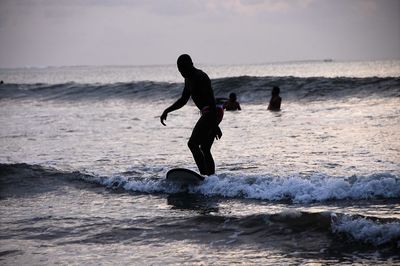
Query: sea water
[[84, 156]]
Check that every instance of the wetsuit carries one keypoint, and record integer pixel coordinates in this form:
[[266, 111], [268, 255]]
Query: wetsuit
[[199, 88]]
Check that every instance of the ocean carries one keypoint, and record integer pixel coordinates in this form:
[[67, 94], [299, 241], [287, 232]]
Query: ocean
[[83, 159]]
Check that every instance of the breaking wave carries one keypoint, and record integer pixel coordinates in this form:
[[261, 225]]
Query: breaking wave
[[297, 189], [249, 89], [369, 231], [18, 180]]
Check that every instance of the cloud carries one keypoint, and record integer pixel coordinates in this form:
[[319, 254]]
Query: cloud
[[169, 7], [70, 32], [254, 7], [368, 7]]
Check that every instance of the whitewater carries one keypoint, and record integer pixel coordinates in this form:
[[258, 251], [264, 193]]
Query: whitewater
[[83, 158]]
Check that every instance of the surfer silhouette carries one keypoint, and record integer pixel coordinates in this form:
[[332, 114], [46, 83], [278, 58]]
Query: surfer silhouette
[[275, 101], [198, 86]]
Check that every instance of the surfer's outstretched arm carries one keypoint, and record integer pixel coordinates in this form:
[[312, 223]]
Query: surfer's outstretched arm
[[176, 105]]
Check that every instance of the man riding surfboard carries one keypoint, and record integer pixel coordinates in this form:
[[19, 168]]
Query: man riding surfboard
[[198, 86]]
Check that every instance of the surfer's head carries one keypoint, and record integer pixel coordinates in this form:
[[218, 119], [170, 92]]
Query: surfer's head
[[275, 91], [185, 65]]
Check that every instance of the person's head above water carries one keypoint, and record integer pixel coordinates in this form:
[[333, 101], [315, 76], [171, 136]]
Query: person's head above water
[[275, 91], [185, 65], [232, 96]]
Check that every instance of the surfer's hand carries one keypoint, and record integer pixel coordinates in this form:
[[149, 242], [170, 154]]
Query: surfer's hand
[[218, 133], [163, 117]]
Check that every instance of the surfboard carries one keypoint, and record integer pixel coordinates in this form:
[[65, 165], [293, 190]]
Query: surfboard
[[184, 176]]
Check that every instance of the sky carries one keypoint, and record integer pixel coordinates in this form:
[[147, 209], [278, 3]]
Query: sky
[[151, 32]]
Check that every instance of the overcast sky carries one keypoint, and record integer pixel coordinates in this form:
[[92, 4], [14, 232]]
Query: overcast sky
[[146, 32]]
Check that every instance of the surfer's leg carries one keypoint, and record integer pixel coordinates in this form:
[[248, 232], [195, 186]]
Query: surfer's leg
[[198, 156], [208, 158], [194, 145], [205, 146]]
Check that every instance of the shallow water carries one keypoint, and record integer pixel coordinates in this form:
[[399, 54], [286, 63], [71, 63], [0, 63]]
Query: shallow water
[[82, 172], [53, 217]]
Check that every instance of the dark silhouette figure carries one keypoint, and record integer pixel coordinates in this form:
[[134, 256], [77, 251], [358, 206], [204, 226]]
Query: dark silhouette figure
[[232, 104], [198, 86], [275, 102], [1, 82]]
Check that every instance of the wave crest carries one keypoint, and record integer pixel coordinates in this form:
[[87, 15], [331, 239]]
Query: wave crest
[[298, 189], [249, 89], [366, 230], [303, 190]]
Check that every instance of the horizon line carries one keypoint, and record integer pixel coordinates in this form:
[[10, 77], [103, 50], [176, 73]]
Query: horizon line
[[326, 60]]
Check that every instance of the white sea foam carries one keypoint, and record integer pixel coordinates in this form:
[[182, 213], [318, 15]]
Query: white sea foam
[[298, 189], [365, 230], [146, 185], [303, 190]]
